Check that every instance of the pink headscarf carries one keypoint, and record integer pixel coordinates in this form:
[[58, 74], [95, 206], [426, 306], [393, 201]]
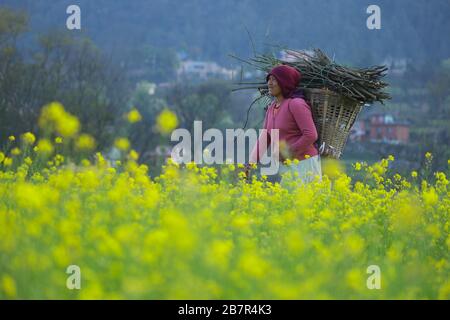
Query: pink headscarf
[[288, 79]]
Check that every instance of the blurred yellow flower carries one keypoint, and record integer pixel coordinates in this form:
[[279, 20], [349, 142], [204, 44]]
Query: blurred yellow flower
[[101, 161], [68, 126], [54, 117], [2, 156], [85, 142], [122, 144], [294, 242], [58, 140], [166, 121], [430, 196], [332, 168], [354, 244], [355, 280], [220, 253], [50, 113], [11, 138], [284, 150], [44, 147], [134, 116], [9, 286], [7, 162], [28, 138], [133, 155], [15, 151], [407, 214], [253, 265], [85, 163]]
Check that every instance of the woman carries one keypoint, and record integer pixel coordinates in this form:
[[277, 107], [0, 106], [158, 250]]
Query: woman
[[290, 113]]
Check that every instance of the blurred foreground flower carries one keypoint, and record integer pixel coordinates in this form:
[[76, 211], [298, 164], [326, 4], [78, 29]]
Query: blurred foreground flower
[[332, 167], [166, 122], [44, 147], [133, 116], [54, 117], [122, 144], [28, 138], [85, 142]]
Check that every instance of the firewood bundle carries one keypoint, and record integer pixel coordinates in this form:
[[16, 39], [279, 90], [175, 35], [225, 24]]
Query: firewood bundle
[[363, 85]]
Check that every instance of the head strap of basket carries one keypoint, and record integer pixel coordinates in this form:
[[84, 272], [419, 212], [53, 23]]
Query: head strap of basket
[[288, 79]]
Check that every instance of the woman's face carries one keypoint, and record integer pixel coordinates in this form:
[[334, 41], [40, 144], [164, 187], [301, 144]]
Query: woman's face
[[274, 88]]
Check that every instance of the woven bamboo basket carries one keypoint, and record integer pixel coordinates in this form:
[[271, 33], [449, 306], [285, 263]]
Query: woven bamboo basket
[[334, 116]]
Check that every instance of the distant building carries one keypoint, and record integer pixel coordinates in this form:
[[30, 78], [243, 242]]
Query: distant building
[[204, 70], [359, 131], [380, 127], [383, 127], [397, 66], [286, 56]]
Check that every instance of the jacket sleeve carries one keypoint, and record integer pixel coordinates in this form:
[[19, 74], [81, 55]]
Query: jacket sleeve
[[262, 143], [304, 119]]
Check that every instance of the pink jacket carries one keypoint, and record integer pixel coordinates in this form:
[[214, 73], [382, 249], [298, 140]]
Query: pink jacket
[[296, 127]]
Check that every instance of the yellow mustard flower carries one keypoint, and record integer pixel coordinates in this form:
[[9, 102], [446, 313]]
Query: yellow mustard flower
[[166, 121], [15, 151], [85, 142], [54, 117], [7, 162], [9, 286], [45, 147], [122, 144], [134, 116], [133, 155], [28, 138]]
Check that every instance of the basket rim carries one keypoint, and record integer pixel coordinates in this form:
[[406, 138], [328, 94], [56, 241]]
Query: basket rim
[[326, 91]]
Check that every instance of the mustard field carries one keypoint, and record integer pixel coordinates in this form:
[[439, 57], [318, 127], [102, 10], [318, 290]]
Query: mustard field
[[199, 232]]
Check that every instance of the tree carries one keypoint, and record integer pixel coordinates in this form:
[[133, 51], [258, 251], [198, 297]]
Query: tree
[[149, 105], [63, 68], [12, 25], [209, 102]]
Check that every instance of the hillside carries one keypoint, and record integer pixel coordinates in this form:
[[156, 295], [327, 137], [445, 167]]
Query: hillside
[[213, 29]]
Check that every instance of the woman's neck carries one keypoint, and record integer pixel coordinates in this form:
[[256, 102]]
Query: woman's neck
[[279, 99]]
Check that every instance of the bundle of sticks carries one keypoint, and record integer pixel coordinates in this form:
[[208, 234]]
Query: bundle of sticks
[[364, 85]]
